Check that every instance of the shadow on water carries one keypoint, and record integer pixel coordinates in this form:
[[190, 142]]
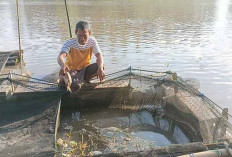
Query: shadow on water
[[119, 130]]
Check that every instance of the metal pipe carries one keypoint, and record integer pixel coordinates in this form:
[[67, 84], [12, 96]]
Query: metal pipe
[[70, 32]]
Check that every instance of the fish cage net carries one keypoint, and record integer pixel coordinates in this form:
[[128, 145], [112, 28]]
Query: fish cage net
[[137, 110], [28, 113], [164, 90], [132, 110]]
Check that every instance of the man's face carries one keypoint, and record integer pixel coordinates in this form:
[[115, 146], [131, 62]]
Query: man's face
[[82, 36]]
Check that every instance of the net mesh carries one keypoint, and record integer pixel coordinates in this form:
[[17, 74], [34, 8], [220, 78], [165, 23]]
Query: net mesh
[[141, 104], [28, 115], [123, 114], [149, 90]]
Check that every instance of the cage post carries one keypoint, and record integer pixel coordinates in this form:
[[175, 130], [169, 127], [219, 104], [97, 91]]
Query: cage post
[[12, 85], [130, 75], [140, 79], [174, 77], [224, 118], [57, 123]]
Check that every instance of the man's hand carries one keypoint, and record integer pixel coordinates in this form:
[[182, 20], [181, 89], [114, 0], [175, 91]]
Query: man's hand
[[101, 74], [64, 69]]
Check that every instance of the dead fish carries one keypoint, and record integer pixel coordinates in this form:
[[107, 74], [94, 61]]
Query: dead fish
[[68, 81]]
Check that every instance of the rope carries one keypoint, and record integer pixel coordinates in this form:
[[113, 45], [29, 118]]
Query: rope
[[150, 71], [46, 82], [33, 88], [113, 74]]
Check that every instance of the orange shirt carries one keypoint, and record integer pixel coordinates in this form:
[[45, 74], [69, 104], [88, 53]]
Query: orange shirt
[[79, 56]]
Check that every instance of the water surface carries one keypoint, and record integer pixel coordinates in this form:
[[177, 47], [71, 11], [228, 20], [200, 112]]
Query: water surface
[[117, 130]]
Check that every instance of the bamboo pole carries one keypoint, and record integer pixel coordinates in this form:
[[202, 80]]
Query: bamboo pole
[[70, 32], [12, 85], [210, 153], [19, 36], [170, 150]]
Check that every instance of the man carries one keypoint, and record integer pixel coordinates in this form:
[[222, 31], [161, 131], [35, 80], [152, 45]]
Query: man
[[78, 52]]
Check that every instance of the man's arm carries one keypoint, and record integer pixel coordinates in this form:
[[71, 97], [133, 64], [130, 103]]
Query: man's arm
[[61, 62], [61, 58], [100, 71]]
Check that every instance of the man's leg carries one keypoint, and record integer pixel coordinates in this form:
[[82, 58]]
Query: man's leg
[[77, 79], [90, 72]]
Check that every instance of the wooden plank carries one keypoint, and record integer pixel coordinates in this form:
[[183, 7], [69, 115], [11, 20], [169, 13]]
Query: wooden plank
[[92, 96], [105, 85], [170, 150], [114, 83], [57, 124]]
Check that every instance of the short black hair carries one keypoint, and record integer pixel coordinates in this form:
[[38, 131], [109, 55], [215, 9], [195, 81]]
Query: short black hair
[[82, 25]]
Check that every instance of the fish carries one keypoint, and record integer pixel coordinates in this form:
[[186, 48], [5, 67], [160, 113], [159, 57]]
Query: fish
[[68, 81]]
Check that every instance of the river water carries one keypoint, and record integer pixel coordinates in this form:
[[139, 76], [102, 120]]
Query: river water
[[190, 37]]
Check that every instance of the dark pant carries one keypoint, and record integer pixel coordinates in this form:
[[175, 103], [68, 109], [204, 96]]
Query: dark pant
[[90, 72], [83, 75]]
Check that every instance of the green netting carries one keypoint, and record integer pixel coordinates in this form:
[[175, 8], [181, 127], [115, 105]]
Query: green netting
[[133, 110]]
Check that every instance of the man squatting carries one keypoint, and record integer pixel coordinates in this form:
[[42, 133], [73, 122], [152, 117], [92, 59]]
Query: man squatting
[[78, 52]]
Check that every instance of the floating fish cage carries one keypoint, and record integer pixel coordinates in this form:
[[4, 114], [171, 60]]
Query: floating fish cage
[[132, 113]]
